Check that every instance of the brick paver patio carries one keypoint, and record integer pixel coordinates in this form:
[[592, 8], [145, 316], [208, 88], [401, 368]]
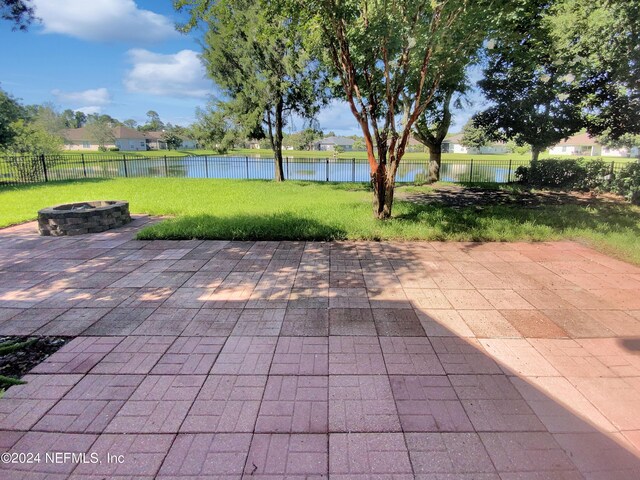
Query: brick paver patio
[[303, 360]]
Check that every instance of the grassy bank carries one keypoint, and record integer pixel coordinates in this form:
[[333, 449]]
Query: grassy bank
[[230, 209]]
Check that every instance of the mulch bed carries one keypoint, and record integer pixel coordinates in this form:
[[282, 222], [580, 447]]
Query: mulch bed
[[459, 197], [16, 364]]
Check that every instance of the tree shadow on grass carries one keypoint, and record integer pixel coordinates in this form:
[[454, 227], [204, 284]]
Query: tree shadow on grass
[[279, 226], [482, 223]]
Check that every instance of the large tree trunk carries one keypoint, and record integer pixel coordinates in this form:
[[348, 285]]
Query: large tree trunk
[[535, 153], [278, 143], [435, 161], [383, 182]]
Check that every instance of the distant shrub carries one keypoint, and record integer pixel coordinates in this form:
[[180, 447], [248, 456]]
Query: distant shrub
[[114, 149], [581, 174], [627, 182], [574, 174]]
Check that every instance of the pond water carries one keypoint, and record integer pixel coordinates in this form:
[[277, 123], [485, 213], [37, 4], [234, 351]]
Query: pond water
[[310, 169]]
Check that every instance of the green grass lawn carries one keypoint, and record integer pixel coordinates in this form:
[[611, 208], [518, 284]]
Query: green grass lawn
[[230, 209]]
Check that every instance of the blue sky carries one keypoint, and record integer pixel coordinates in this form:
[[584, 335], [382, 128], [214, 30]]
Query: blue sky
[[123, 58]]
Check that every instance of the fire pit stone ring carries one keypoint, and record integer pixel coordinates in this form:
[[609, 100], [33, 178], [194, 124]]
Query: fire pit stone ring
[[83, 217]]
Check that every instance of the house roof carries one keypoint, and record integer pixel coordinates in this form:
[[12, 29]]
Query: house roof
[[580, 139], [82, 134], [456, 138], [337, 141], [157, 135]]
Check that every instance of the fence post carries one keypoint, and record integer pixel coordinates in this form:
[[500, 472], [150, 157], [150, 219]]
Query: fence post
[[287, 162], [613, 166], [246, 160], [84, 166], [509, 177], [44, 168], [166, 167], [206, 166], [353, 170], [124, 161], [327, 169], [471, 172]]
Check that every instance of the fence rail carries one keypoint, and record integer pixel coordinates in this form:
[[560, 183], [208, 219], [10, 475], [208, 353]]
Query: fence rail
[[35, 169]]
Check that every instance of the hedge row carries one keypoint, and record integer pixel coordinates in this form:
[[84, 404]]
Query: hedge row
[[583, 175]]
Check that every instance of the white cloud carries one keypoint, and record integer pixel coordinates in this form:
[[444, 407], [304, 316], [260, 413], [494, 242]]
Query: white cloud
[[103, 20], [90, 109], [181, 74], [94, 97]]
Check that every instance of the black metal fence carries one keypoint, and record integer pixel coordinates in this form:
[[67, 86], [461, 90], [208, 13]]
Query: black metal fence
[[35, 169]]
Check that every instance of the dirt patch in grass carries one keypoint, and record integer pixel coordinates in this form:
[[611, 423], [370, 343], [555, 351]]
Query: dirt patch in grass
[[456, 196]]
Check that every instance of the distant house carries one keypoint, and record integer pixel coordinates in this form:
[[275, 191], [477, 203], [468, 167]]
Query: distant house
[[125, 138], [155, 141], [453, 144], [253, 144], [330, 143], [583, 145]]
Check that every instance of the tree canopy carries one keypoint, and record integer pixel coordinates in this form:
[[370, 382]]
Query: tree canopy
[[257, 59]]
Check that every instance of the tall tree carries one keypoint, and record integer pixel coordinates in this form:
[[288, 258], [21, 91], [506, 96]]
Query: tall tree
[[258, 61], [432, 127], [474, 136], [10, 111], [530, 88], [100, 130], [153, 124], [390, 58], [598, 40], [18, 12], [131, 123]]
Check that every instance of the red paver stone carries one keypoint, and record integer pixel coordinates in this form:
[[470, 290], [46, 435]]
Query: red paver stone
[[73, 322], [355, 355], [397, 323], [369, 455], [410, 356], [159, 405], [351, 321], [166, 321], [56, 444], [600, 456], [463, 356], [288, 456], [134, 355], [312, 322], [22, 414], [361, 403], [259, 322], [301, 356], [533, 324], [245, 356], [120, 321], [294, 404], [79, 416], [443, 323], [189, 356], [148, 297], [489, 324], [226, 403], [493, 404], [578, 324], [528, 452], [142, 456], [449, 455], [104, 387], [78, 356], [428, 404], [206, 456], [348, 298], [212, 322]]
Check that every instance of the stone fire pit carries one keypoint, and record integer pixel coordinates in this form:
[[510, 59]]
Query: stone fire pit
[[83, 217]]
